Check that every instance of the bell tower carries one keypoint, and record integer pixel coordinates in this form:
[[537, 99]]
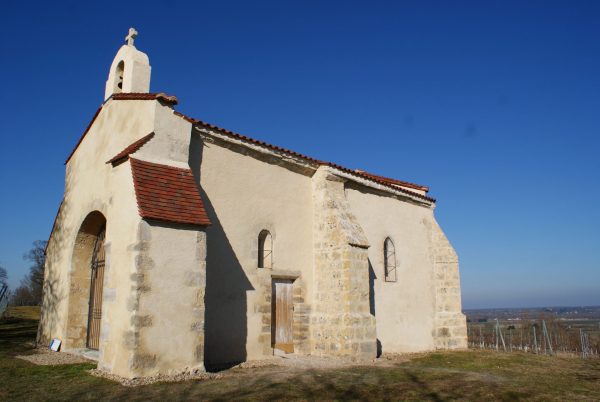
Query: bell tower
[[130, 70]]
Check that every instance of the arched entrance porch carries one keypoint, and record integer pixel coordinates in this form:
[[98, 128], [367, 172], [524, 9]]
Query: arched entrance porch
[[86, 283]]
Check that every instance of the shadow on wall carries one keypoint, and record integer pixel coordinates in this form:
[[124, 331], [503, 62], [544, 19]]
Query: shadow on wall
[[372, 278], [225, 321], [52, 294], [54, 290]]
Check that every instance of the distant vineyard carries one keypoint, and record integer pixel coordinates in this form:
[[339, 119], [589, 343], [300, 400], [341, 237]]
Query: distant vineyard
[[543, 335]]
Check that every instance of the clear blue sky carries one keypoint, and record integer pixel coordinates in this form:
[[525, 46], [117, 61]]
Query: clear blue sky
[[494, 105]]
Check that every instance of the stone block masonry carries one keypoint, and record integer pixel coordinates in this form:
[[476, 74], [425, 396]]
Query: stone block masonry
[[301, 315], [166, 303], [449, 324], [341, 323]]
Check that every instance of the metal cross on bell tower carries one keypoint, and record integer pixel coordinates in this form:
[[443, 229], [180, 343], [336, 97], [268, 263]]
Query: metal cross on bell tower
[[131, 36]]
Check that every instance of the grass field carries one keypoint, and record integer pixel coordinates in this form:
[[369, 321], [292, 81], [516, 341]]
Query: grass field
[[440, 376]]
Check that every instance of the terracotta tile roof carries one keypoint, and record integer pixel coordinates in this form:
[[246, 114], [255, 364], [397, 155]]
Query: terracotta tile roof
[[243, 137], [393, 181], [161, 96], [132, 148], [167, 193], [384, 181]]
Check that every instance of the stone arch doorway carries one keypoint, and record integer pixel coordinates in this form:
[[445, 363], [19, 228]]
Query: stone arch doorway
[[86, 280]]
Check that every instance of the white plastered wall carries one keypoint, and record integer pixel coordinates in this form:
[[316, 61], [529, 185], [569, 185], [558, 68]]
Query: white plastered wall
[[170, 310], [244, 195], [93, 185], [404, 309], [136, 265]]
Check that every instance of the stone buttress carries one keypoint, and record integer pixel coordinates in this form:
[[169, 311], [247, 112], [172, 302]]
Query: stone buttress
[[449, 323], [341, 323]]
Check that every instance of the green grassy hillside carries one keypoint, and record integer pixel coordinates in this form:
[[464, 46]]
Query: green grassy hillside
[[439, 376]]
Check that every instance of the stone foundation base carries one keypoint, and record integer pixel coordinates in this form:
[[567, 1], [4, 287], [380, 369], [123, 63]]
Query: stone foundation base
[[450, 331], [184, 375]]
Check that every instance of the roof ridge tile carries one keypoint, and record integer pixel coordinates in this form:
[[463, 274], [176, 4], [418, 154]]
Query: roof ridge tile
[[384, 181]]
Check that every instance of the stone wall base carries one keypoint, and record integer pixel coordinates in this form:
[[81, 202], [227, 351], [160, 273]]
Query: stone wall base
[[175, 376], [450, 331], [349, 335]]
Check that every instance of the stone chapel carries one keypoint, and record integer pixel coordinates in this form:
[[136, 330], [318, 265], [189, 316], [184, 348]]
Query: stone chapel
[[171, 252]]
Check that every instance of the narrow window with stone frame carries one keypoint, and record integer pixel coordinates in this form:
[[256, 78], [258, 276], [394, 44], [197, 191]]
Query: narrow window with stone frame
[[389, 260], [265, 250]]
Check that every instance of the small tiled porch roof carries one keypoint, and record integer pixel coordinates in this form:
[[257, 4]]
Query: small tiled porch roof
[[167, 193], [132, 148]]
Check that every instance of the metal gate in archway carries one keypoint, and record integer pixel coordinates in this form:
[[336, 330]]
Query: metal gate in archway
[[97, 279]]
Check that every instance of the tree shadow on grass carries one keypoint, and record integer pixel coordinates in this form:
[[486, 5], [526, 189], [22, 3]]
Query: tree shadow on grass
[[424, 386], [17, 335]]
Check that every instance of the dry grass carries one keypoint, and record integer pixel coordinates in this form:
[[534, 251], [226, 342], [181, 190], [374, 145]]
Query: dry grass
[[471, 375], [23, 312]]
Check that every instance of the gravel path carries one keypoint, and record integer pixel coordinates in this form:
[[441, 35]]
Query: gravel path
[[282, 366], [46, 357], [279, 367], [135, 382]]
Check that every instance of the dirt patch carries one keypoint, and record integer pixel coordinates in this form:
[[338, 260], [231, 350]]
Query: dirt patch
[[277, 368], [45, 357], [300, 362], [282, 368], [196, 375]]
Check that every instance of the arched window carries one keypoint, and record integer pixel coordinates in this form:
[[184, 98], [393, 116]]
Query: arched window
[[265, 250], [389, 260], [119, 77]]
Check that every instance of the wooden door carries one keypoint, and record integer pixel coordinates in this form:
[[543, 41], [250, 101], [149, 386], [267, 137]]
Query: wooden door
[[95, 309], [282, 315]]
